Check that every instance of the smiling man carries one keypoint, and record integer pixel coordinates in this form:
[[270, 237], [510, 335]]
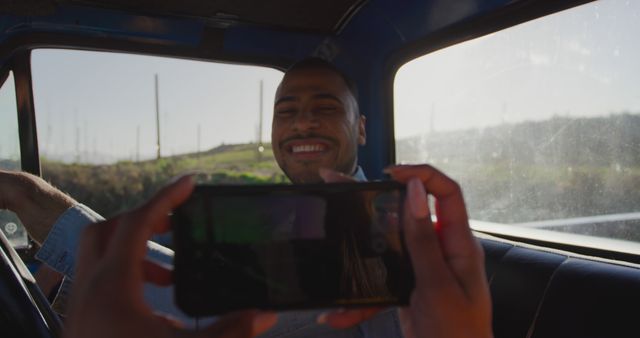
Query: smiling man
[[316, 122]]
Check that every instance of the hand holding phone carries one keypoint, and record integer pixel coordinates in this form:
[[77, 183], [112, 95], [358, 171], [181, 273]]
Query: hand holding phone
[[451, 285]]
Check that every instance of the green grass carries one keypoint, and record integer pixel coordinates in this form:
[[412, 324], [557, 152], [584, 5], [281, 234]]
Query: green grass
[[495, 190], [110, 189]]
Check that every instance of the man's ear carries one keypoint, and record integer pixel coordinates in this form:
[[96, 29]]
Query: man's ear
[[362, 130]]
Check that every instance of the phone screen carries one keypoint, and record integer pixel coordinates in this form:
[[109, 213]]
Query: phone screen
[[285, 247]]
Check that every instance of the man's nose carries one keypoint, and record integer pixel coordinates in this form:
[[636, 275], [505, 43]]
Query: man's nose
[[305, 120]]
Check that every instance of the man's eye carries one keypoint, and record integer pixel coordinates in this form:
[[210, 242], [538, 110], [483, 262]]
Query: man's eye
[[327, 109], [285, 112]]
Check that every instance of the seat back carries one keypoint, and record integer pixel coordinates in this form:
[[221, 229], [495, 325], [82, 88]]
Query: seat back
[[539, 293]]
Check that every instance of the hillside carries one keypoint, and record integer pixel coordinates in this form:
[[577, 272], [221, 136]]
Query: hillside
[[110, 189], [559, 141], [557, 168]]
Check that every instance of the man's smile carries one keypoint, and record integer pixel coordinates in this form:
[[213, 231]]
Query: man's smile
[[306, 148]]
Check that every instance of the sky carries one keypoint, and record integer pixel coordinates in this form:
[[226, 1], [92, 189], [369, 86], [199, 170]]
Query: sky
[[95, 106], [580, 62]]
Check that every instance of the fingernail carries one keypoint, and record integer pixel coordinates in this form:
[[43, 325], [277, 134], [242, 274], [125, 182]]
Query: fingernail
[[324, 172], [175, 179], [188, 176], [322, 318], [418, 203], [263, 321], [330, 175]]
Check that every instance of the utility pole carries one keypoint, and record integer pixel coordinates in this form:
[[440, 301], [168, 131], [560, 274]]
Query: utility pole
[[198, 153], [49, 130], [261, 113], [157, 119], [75, 122], [138, 143], [85, 150], [260, 145]]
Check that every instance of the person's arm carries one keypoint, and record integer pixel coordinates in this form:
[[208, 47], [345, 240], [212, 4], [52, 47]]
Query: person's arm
[[56, 221], [36, 202], [107, 298]]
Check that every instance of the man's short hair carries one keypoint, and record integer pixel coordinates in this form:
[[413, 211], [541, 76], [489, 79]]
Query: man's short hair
[[318, 63]]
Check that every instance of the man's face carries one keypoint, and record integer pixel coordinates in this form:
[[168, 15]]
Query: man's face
[[316, 124]]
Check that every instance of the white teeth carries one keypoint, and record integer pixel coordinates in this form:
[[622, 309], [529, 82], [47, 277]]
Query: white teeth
[[307, 148]]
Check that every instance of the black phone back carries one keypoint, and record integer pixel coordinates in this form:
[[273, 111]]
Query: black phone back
[[290, 247]]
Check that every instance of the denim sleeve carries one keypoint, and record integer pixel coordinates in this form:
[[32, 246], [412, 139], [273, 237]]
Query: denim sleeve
[[60, 248], [61, 245], [385, 324]]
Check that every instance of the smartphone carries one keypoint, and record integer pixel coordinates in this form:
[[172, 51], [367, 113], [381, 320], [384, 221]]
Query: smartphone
[[283, 247]]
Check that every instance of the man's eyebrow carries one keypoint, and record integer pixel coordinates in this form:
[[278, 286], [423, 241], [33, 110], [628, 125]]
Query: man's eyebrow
[[328, 96], [292, 98], [286, 99]]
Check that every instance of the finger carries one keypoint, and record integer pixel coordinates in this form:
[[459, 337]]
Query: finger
[[460, 249], [136, 227], [242, 324], [342, 319], [451, 213], [156, 274], [406, 322], [422, 240], [262, 322], [92, 245], [332, 176]]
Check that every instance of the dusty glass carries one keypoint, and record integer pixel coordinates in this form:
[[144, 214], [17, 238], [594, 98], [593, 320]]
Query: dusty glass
[[540, 123]]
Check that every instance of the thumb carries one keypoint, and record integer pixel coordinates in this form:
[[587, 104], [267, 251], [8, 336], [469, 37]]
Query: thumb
[[332, 176]]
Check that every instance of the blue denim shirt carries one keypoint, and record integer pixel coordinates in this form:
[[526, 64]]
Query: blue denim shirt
[[60, 248]]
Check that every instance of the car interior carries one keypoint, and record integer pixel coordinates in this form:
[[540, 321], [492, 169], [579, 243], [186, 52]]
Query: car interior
[[549, 277]]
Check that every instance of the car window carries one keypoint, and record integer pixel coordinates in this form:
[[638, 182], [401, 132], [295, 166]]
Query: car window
[[540, 123], [113, 128], [10, 158]]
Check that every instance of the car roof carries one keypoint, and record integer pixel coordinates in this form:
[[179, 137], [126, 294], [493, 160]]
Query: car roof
[[278, 29]]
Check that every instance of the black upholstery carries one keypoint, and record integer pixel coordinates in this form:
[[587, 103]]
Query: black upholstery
[[591, 299], [24, 311], [542, 294]]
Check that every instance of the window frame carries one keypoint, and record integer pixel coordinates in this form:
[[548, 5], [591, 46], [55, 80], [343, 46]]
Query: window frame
[[4, 76]]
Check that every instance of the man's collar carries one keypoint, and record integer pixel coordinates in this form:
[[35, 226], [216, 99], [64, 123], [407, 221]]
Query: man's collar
[[359, 175]]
